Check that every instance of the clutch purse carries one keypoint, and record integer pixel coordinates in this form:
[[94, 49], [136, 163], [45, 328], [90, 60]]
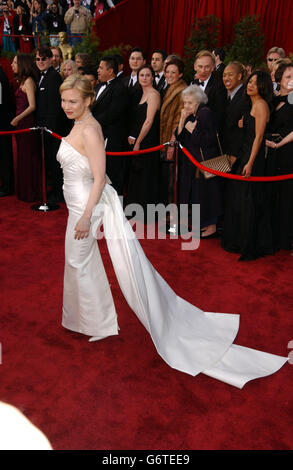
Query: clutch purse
[[221, 163]]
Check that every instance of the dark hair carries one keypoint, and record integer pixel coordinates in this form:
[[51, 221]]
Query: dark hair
[[146, 66], [42, 4], [26, 67], [57, 48], [239, 67], [175, 61], [111, 63], [220, 52], [85, 58], [160, 51], [88, 71], [281, 70], [138, 49], [264, 86], [44, 51], [119, 59]]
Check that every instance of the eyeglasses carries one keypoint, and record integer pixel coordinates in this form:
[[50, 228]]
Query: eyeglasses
[[42, 59], [269, 59]]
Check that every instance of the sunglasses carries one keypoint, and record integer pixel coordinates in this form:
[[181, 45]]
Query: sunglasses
[[271, 60], [42, 59]]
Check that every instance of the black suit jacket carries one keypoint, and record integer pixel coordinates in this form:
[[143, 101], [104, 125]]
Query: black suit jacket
[[134, 92], [7, 107], [220, 70], [160, 86], [110, 110], [232, 135], [217, 96], [49, 112]]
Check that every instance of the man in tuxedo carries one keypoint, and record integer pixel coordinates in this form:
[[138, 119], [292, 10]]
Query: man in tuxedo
[[7, 113], [137, 58], [110, 110], [50, 114], [236, 106], [204, 66], [119, 60], [219, 55], [57, 58], [157, 63]]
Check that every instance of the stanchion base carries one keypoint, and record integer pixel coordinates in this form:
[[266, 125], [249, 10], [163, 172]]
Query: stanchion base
[[174, 229], [45, 207]]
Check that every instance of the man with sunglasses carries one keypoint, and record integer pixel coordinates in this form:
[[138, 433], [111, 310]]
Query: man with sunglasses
[[49, 114], [274, 54]]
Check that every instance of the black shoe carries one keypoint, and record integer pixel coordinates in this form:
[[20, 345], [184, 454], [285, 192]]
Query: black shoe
[[212, 235]]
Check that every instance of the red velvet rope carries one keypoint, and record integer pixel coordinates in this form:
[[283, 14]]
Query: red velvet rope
[[137, 152], [20, 131], [234, 177], [185, 151]]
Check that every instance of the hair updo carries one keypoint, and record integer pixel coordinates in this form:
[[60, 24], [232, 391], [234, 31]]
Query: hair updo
[[80, 83]]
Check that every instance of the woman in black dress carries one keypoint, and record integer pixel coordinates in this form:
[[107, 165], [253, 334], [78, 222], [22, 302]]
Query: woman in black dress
[[196, 131], [280, 158], [247, 219], [145, 133]]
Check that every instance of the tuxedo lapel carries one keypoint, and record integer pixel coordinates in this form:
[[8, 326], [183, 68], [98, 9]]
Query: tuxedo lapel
[[209, 84], [104, 92]]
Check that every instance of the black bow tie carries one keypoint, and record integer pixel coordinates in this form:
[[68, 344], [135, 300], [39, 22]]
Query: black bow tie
[[157, 75], [201, 83]]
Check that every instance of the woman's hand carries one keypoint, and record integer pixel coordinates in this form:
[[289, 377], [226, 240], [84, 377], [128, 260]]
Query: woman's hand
[[240, 123], [82, 228], [169, 154], [136, 146], [14, 121], [247, 169], [190, 126], [131, 140], [271, 144]]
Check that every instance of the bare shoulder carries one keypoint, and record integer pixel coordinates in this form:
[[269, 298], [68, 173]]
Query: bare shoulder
[[260, 110], [92, 130], [29, 83], [261, 106], [154, 97]]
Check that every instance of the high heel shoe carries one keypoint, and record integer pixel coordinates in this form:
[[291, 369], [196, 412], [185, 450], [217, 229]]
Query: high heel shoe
[[212, 235]]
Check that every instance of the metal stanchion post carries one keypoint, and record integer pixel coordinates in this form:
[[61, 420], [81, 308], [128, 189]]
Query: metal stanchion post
[[176, 226], [44, 207], [173, 229]]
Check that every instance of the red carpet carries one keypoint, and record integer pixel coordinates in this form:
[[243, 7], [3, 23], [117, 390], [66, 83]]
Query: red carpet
[[118, 393]]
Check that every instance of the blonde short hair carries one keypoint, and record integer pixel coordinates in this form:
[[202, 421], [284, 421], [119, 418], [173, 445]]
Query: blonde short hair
[[205, 53], [66, 62], [277, 50], [80, 83]]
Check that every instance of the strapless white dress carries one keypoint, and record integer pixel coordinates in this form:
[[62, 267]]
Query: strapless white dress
[[187, 338]]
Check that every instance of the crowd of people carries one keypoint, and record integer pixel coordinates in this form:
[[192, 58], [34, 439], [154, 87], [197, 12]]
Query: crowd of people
[[226, 109], [26, 24]]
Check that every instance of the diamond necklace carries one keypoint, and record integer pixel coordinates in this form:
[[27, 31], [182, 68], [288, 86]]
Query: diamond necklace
[[83, 119]]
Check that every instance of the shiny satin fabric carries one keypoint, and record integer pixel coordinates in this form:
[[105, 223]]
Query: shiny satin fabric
[[187, 338]]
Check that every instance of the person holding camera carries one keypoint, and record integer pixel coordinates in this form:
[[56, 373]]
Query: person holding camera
[[38, 19], [79, 19], [6, 27], [55, 24]]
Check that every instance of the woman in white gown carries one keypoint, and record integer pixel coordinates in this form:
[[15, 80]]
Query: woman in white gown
[[187, 338]]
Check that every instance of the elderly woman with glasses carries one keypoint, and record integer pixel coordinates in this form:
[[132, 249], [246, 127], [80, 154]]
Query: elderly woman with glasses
[[196, 131]]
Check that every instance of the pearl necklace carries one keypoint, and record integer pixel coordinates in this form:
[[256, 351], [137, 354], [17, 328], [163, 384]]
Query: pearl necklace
[[83, 119]]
